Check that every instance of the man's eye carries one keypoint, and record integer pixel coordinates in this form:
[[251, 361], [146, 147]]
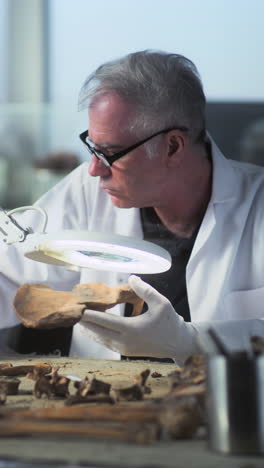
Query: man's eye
[[109, 152], [99, 151]]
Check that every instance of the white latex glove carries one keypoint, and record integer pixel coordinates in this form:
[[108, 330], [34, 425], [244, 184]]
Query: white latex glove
[[160, 332]]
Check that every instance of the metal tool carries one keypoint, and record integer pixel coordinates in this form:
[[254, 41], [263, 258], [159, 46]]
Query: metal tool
[[235, 400]]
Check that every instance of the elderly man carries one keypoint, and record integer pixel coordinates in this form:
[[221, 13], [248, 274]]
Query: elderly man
[[155, 173]]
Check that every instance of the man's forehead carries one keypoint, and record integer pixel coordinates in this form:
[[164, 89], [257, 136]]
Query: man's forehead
[[111, 102], [110, 113]]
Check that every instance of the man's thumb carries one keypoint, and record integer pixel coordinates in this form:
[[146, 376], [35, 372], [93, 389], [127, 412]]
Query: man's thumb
[[144, 290]]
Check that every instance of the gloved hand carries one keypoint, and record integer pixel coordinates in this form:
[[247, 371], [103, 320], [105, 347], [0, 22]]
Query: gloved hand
[[160, 332]]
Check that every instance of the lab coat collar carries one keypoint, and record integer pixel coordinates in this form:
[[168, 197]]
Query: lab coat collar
[[223, 191], [224, 178]]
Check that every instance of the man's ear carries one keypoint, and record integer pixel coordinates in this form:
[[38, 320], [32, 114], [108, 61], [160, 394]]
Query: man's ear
[[175, 146]]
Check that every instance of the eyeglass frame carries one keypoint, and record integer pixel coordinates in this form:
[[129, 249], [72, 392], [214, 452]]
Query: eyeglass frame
[[109, 160]]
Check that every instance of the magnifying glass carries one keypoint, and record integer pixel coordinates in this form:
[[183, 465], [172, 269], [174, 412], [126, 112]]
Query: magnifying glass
[[84, 249], [99, 251]]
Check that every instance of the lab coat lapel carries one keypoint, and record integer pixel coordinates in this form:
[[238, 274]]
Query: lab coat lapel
[[222, 192], [200, 267]]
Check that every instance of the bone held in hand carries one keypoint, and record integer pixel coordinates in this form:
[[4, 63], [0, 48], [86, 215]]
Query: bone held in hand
[[39, 306], [99, 296]]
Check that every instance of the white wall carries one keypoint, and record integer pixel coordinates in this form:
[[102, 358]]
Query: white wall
[[3, 49], [225, 39], [25, 43]]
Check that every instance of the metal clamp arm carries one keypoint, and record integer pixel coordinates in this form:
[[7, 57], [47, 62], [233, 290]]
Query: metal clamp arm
[[10, 230]]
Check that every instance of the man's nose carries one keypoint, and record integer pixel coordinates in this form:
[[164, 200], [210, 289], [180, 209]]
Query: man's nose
[[98, 168]]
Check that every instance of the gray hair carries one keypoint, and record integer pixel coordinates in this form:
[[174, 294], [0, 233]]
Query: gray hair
[[165, 89]]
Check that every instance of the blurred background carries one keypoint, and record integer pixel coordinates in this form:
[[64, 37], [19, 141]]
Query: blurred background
[[48, 47]]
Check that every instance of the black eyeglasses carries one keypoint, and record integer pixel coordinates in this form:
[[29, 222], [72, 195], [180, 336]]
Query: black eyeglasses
[[109, 160]]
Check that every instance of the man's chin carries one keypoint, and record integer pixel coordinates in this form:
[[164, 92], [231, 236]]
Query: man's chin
[[120, 203]]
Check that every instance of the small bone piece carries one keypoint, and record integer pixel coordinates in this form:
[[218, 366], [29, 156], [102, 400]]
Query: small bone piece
[[82, 387], [49, 385], [4, 365], [94, 387], [9, 385], [193, 373], [141, 380], [95, 391], [59, 383], [98, 387], [133, 393], [3, 393], [181, 420], [42, 385]]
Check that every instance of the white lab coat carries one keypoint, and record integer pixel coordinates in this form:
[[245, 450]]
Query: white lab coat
[[225, 273]]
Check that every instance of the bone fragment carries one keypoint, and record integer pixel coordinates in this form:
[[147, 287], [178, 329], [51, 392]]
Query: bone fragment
[[121, 432], [181, 421], [9, 385], [20, 371], [49, 385], [133, 393], [5, 364], [105, 412], [39, 306], [79, 399], [99, 296]]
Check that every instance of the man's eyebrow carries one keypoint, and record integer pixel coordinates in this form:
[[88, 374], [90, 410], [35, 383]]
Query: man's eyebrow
[[108, 146]]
